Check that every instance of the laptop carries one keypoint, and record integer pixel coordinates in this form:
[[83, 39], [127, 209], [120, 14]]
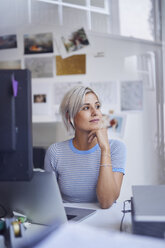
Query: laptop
[[78, 214], [39, 199]]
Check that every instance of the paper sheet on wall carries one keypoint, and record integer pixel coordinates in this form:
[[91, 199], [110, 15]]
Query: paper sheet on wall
[[75, 64], [131, 95], [107, 92], [41, 67], [61, 88], [13, 64]]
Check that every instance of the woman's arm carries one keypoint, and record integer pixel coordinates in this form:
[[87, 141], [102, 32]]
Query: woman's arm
[[50, 159], [109, 182]]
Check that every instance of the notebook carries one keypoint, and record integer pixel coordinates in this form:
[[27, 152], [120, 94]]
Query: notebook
[[149, 202], [39, 199]]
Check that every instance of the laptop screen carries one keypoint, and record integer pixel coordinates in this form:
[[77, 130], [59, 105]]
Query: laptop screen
[[38, 199]]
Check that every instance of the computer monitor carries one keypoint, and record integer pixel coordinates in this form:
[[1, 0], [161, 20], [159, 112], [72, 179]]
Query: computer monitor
[[16, 160]]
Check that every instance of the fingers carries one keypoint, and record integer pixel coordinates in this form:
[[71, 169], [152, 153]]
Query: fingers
[[91, 136], [100, 134]]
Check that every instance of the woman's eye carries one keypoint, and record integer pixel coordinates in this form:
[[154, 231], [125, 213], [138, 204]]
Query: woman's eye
[[85, 108], [98, 106]]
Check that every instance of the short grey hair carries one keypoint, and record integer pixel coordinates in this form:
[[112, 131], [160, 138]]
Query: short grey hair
[[72, 102]]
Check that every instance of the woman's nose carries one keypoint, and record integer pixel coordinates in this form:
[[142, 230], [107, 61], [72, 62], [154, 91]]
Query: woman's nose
[[94, 112]]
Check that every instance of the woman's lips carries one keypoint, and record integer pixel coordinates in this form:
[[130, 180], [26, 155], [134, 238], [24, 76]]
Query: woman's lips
[[95, 120]]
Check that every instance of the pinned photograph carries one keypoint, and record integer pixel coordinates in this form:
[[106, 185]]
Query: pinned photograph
[[115, 124], [38, 43], [75, 41], [71, 43], [40, 98], [8, 41]]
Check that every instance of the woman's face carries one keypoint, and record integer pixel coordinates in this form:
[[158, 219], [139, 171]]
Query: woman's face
[[89, 117]]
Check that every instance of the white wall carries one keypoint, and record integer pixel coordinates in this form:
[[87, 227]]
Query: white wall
[[163, 34], [143, 164]]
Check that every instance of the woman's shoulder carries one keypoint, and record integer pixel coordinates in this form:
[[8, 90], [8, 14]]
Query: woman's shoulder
[[118, 155], [116, 144], [58, 145]]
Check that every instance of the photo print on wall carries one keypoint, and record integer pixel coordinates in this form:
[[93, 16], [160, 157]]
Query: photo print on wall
[[71, 43], [8, 41], [115, 124], [38, 43]]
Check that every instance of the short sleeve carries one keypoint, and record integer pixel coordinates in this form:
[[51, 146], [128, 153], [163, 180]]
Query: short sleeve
[[118, 156], [50, 162]]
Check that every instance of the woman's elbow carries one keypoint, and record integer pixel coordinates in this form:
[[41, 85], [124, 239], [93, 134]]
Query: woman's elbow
[[107, 203]]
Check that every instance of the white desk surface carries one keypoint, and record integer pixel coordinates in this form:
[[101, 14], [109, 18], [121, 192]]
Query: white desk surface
[[104, 219], [107, 219], [99, 230]]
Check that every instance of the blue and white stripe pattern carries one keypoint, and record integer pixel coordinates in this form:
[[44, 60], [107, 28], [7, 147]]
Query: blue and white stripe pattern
[[77, 171]]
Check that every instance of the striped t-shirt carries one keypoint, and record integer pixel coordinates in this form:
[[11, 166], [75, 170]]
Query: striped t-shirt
[[77, 171]]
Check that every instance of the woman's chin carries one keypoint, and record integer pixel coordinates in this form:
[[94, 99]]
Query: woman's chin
[[94, 127]]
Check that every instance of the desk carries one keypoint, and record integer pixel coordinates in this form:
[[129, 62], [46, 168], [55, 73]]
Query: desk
[[104, 219], [107, 219], [99, 230]]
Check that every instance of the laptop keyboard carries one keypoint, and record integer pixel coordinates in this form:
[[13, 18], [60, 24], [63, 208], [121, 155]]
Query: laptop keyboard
[[69, 216]]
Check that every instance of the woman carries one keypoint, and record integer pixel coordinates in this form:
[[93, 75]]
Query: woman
[[88, 167]]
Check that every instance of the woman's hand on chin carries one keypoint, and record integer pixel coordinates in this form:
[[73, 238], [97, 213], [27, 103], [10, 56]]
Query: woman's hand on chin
[[101, 135]]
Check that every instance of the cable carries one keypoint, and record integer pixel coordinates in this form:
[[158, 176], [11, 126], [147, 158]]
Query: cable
[[124, 211]]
